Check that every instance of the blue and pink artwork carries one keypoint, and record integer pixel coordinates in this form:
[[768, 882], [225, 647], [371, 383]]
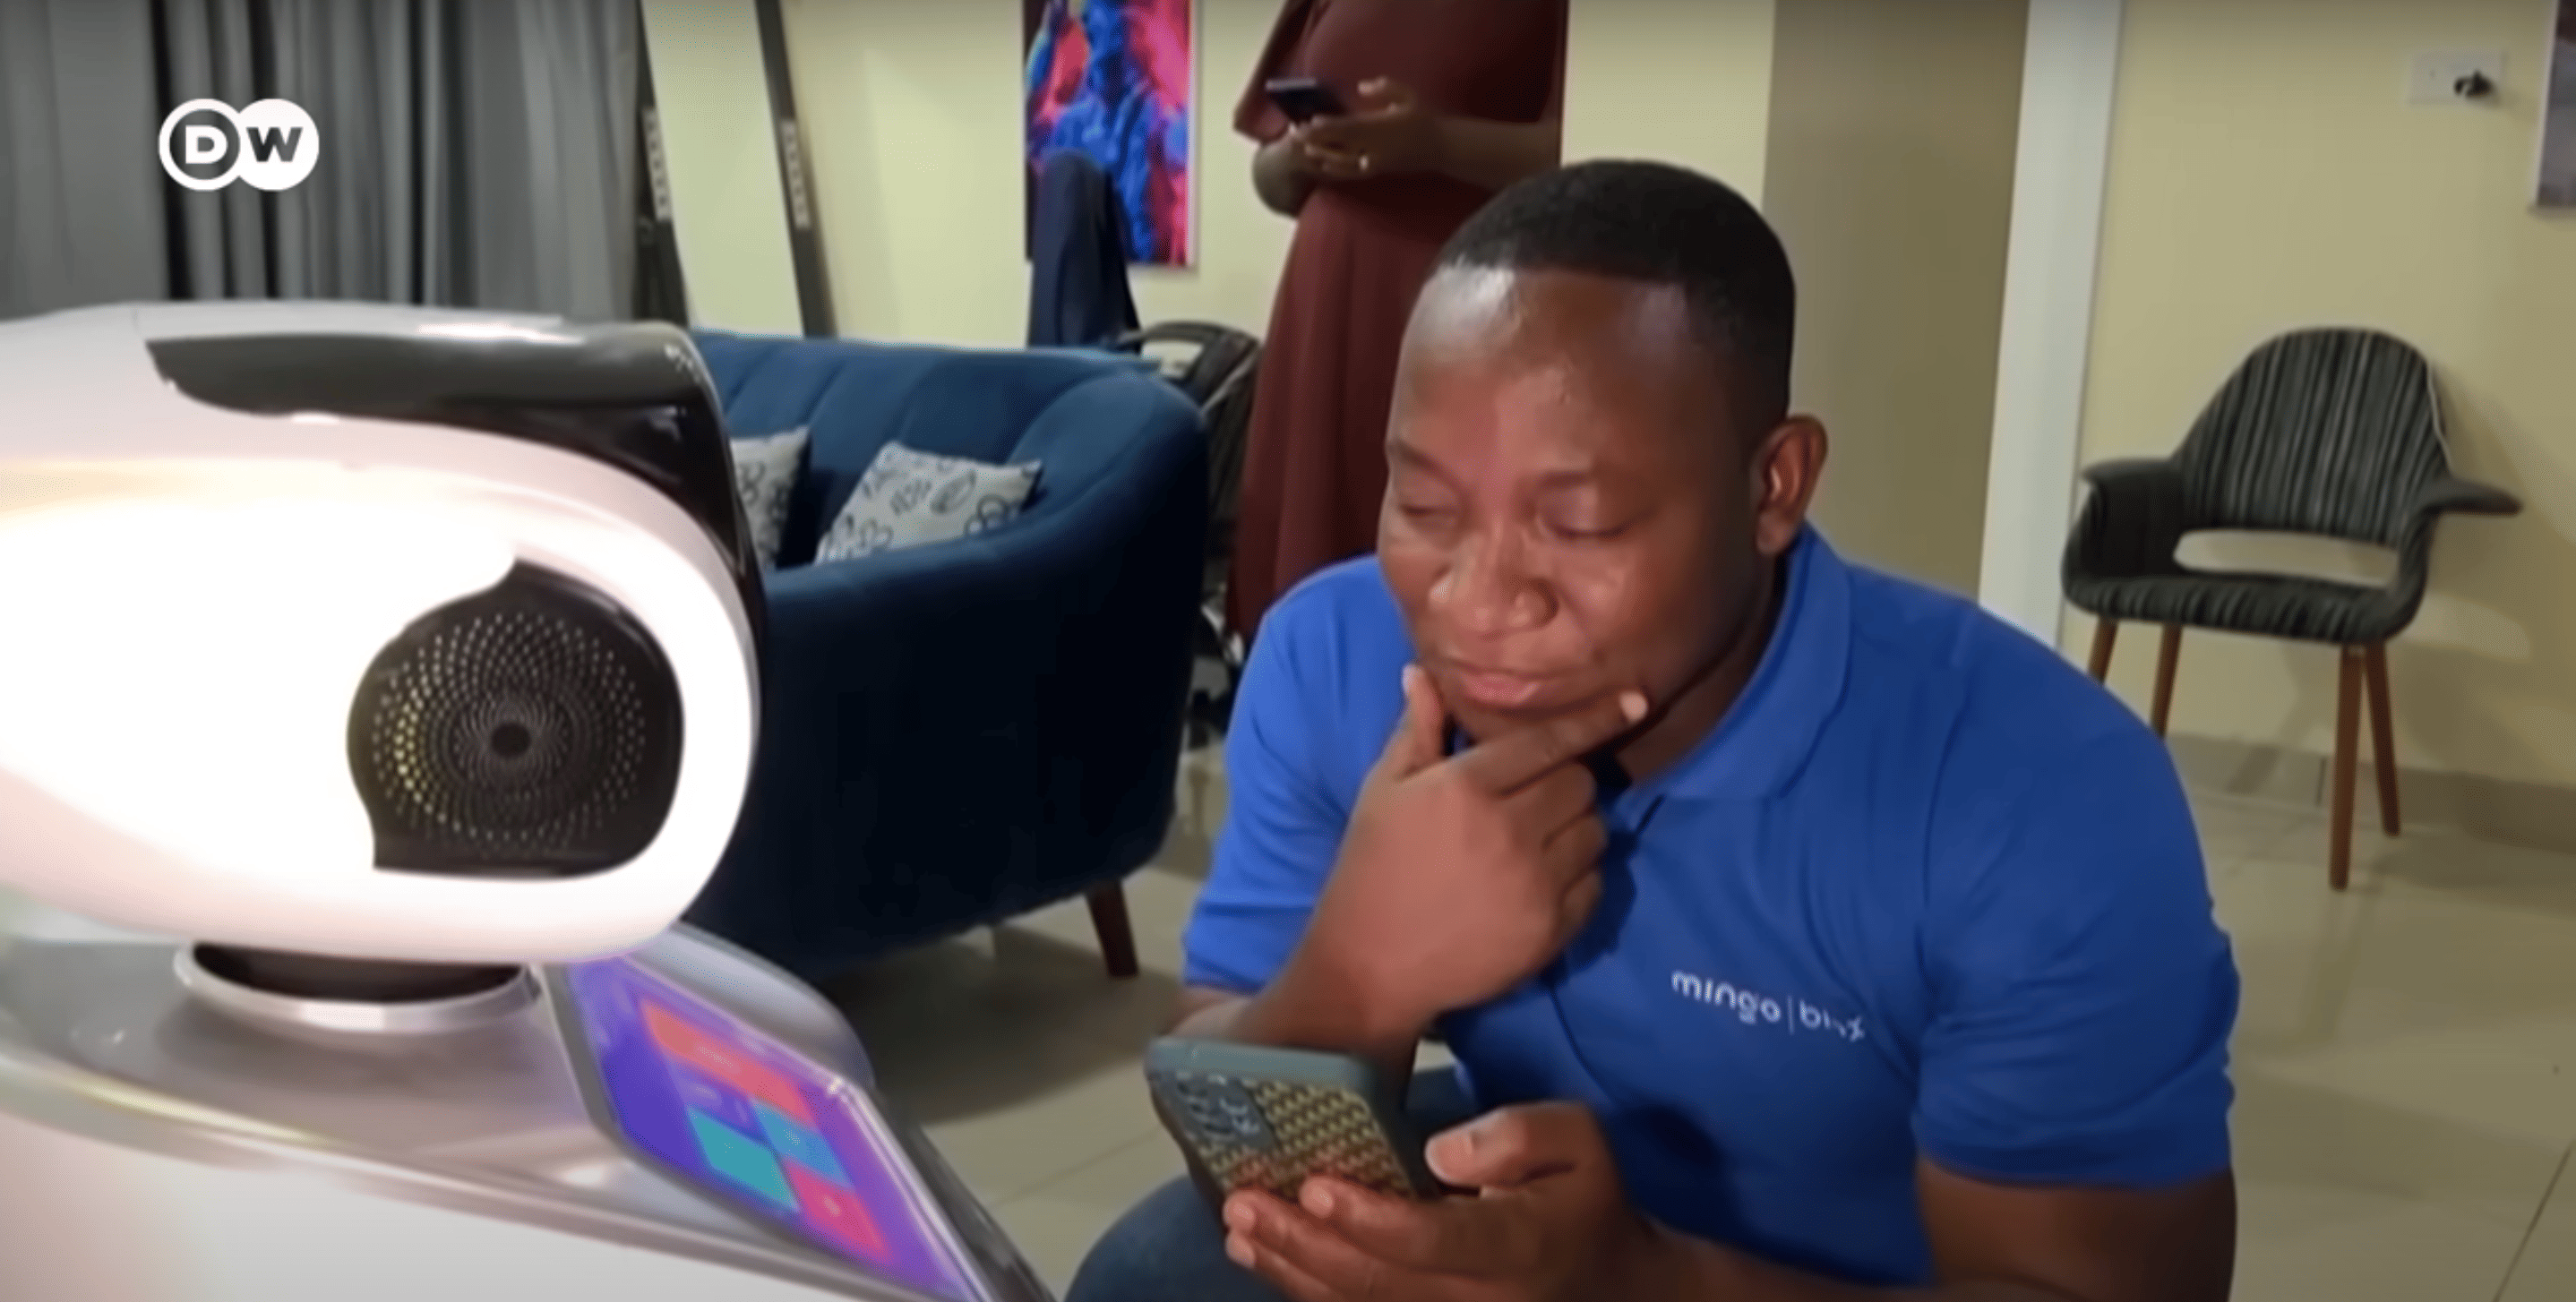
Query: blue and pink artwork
[[1113, 79]]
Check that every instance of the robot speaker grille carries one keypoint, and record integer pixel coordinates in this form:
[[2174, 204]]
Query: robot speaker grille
[[531, 729]]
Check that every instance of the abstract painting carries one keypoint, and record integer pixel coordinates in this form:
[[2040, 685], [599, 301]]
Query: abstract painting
[[2557, 187], [1113, 79]]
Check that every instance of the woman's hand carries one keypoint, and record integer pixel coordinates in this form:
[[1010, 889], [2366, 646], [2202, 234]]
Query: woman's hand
[[1389, 133]]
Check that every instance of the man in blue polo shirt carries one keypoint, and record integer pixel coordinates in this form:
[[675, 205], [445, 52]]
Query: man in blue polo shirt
[[1800, 933]]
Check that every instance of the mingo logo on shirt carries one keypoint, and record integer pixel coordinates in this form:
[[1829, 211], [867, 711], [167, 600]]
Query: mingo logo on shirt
[[1754, 1008]]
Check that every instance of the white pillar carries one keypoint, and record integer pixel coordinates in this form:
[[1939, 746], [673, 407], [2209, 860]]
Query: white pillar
[[2069, 82]]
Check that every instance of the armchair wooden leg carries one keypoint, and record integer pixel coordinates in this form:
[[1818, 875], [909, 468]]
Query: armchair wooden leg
[[1116, 931], [2347, 740], [2383, 736], [2105, 632], [2166, 657]]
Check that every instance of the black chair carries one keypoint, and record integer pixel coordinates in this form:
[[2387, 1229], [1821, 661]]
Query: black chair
[[2332, 432], [1216, 366]]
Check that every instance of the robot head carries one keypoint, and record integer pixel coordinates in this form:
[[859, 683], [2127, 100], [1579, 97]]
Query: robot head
[[375, 633]]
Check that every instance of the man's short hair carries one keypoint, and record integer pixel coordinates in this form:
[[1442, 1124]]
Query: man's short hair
[[1661, 225]]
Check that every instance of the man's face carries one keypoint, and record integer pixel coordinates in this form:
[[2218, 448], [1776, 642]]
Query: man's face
[[1570, 510]]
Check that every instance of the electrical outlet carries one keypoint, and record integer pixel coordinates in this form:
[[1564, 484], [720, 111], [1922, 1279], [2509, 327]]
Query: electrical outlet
[[2435, 76]]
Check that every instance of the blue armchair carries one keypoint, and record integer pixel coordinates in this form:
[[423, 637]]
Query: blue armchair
[[961, 732]]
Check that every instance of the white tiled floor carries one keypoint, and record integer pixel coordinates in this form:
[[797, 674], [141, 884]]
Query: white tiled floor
[[2406, 1063]]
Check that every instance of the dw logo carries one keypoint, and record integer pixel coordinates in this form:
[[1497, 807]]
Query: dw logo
[[271, 144]]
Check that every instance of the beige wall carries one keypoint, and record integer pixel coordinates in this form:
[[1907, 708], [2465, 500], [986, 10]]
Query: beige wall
[[1889, 173], [2266, 174], [1883, 146], [725, 200], [1684, 81], [911, 111]]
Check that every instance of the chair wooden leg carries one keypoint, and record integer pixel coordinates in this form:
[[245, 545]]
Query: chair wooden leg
[[2166, 657], [1116, 931], [2347, 740], [2383, 736], [2105, 632]]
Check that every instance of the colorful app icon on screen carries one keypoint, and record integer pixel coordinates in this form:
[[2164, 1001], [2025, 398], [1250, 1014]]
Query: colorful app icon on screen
[[801, 1144], [703, 1093], [838, 1213], [685, 1042], [743, 1160]]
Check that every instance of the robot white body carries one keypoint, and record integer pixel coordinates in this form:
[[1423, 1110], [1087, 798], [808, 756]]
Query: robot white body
[[358, 645], [166, 559], [159, 1153]]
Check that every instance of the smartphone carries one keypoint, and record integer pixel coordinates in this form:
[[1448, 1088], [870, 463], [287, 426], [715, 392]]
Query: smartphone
[[1251, 1117], [1304, 99]]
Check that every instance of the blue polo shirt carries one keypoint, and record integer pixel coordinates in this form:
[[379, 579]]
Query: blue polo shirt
[[1926, 891]]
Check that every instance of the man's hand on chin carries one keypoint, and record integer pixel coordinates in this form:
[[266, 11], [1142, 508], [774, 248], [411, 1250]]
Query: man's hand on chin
[[1549, 1222]]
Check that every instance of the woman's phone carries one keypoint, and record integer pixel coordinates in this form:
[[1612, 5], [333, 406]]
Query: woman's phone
[[1251, 1117], [1304, 99]]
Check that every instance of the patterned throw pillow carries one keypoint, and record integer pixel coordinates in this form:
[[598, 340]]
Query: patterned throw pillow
[[908, 498], [764, 476]]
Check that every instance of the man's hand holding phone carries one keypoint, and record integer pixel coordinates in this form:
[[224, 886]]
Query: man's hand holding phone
[[1550, 1221], [1461, 876]]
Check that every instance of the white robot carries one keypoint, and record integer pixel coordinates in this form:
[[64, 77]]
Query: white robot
[[377, 686]]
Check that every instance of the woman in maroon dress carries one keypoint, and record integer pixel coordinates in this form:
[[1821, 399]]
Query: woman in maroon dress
[[1450, 101]]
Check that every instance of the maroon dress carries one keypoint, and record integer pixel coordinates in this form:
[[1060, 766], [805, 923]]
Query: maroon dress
[[1315, 464]]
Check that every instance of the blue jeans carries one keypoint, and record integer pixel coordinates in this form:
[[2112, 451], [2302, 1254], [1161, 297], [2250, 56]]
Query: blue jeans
[[1171, 1247]]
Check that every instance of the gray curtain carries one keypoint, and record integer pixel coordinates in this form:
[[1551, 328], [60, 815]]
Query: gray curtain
[[81, 192], [475, 154]]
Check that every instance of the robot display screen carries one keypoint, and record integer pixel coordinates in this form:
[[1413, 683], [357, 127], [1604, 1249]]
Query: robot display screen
[[757, 1125]]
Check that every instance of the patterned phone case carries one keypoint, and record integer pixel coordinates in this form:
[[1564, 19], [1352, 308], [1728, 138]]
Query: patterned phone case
[[1262, 1132]]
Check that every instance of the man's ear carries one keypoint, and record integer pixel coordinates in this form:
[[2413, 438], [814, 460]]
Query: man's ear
[[1787, 466]]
